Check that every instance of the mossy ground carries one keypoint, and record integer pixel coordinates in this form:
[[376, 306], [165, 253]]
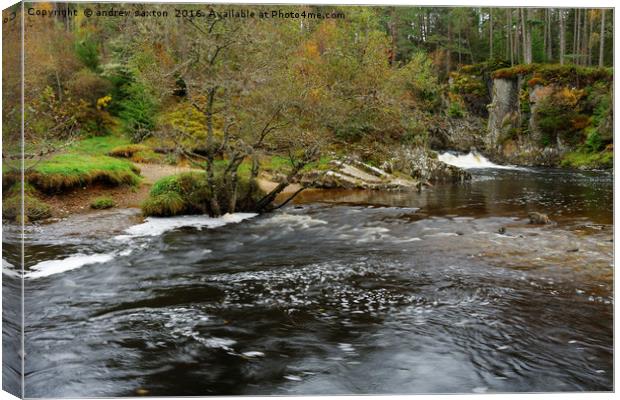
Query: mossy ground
[[70, 170], [83, 164], [581, 159]]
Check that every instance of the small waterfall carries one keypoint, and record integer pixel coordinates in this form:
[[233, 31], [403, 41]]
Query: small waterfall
[[470, 160]]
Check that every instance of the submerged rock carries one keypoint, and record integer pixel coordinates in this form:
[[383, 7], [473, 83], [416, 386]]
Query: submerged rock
[[538, 218]]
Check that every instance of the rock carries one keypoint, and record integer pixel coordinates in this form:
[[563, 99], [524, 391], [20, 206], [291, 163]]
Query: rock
[[503, 110], [460, 134], [422, 165], [572, 250], [501, 230], [538, 218], [354, 174]]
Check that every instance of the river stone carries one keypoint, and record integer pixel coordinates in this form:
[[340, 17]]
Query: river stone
[[537, 218]]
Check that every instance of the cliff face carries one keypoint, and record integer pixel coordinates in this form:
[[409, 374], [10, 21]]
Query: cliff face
[[504, 113], [535, 114], [513, 133]]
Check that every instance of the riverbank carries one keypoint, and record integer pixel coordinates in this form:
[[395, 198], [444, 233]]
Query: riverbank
[[79, 200]]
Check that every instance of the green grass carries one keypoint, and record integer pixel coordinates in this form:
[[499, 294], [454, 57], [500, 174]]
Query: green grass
[[98, 145], [102, 203], [580, 159], [70, 170], [137, 153], [84, 163]]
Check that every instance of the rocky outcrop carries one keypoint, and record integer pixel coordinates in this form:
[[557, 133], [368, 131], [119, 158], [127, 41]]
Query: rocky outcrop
[[423, 165], [354, 174], [505, 141], [459, 134]]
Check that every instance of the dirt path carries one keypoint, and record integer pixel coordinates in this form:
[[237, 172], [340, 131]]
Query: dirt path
[[78, 200], [154, 172]]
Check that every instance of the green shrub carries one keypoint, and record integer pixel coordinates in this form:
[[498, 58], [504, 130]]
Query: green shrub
[[470, 86], [102, 203], [455, 110], [593, 142], [87, 52], [137, 113], [164, 205], [558, 115], [34, 208], [188, 193]]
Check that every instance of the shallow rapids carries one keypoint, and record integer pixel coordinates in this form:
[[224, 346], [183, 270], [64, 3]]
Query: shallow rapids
[[450, 290]]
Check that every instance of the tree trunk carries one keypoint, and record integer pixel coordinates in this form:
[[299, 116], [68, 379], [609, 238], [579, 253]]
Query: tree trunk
[[490, 33], [213, 202], [546, 28], [528, 35], [523, 34], [510, 44], [586, 38], [471, 52], [576, 37], [271, 196], [577, 52], [562, 36], [601, 50], [549, 36]]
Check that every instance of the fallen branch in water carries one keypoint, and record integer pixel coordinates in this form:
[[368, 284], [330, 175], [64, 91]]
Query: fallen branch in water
[[290, 198]]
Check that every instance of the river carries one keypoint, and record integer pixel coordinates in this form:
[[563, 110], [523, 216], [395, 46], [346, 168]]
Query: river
[[445, 291]]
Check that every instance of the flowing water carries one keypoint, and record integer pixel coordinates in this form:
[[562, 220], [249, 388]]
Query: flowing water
[[341, 292]]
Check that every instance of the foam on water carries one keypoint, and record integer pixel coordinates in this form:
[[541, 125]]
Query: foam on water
[[471, 160], [51, 267], [9, 269], [153, 226]]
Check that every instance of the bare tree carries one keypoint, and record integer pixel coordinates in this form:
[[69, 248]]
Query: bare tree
[[601, 54], [562, 18]]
